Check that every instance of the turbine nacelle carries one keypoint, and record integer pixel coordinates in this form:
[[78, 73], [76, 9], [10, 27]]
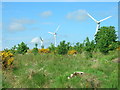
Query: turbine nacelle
[[98, 22], [55, 34]]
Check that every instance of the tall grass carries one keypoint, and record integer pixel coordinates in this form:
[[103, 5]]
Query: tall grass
[[51, 71]]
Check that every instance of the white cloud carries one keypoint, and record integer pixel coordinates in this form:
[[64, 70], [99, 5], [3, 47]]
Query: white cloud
[[79, 15], [16, 26], [24, 21], [35, 40], [19, 24], [46, 14], [47, 23]]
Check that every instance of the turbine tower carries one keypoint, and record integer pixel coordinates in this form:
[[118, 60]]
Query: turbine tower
[[41, 40], [98, 22], [54, 35]]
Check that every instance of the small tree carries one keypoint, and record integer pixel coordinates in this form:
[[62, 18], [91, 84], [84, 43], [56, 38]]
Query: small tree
[[22, 48], [13, 49], [104, 38], [78, 47], [52, 48], [89, 47], [63, 47], [35, 50]]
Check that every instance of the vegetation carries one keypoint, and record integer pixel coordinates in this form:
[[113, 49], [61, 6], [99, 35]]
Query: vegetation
[[35, 50], [7, 59], [22, 48], [50, 67], [104, 38], [63, 48], [52, 71]]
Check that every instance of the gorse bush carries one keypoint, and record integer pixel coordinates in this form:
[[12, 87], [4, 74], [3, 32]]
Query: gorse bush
[[71, 52], [22, 48], [44, 50], [7, 59], [63, 48]]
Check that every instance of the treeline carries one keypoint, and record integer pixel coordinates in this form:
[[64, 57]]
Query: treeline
[[104, 41]]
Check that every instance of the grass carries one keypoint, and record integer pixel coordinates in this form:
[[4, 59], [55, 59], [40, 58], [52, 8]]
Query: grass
[[51, 71]]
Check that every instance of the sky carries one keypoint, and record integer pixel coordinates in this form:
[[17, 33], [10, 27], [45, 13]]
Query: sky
[[60, 0], [27, 21]]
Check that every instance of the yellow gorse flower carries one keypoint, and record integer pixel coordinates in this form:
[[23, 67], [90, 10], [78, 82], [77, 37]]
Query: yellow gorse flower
[[7, 58], [71, 52], [43, 50]]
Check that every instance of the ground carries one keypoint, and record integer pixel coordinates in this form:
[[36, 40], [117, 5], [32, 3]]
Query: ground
[[52, 71]]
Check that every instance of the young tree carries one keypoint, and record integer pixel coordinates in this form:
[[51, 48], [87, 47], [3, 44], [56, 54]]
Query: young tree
[[104, 38], [35, 50], [22, 48], [63, 47], [52, 48], [78, 47], [89, 47]]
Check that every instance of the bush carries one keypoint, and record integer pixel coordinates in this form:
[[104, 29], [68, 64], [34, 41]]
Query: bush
[[78, 47], [13, 49], [104, 38], [63, 48], [7, 59], [113, 46], [22, 48], [89, 47], [35, 51], [52, 48], [44, 50], [71, 52]]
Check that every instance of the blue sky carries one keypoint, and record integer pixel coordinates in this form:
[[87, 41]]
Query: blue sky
[[24, 21]]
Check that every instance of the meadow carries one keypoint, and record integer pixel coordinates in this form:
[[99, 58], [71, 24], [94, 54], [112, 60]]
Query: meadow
[[52, 71], [51, 67]]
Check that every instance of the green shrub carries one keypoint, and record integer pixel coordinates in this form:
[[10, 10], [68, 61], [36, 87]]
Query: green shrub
[[63, 48], [22, 48], [52, 48], [89, 47], [104, 38], [78, 47], [35, 50]]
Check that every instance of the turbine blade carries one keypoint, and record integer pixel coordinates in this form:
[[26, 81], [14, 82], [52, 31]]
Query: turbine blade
[[51, 33], [92, 17], [57, 28], [41, 39], [105, 19]]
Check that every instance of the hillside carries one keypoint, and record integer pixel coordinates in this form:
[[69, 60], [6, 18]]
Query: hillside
[[52, 71]]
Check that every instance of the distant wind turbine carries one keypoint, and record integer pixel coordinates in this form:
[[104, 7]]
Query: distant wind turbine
[[41, 40], [54, 34], [98, 22]]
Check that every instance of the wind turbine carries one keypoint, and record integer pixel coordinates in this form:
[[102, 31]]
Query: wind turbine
[[98, 22], [41, 40], [55, 34]]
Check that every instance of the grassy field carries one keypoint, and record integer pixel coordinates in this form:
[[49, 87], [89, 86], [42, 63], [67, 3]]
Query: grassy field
[[51, 71]]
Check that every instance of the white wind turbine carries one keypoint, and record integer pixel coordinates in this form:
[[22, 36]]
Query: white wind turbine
[[41, 40], [98, 22], [54, 34]]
